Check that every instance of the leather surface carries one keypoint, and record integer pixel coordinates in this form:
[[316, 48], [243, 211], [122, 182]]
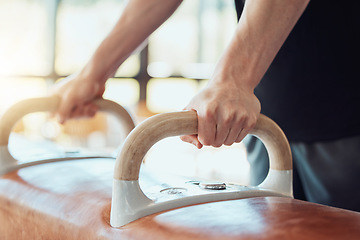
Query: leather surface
[[71, 200]]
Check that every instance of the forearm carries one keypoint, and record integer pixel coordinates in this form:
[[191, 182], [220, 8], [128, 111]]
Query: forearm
[[139, 19], [261, 31]]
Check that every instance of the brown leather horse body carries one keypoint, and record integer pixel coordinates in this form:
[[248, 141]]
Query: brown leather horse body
[[98, 198], [71, 200]]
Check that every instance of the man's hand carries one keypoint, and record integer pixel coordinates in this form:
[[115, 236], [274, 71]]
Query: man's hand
[[138, 20], [77, 93], [226, 114], [227, 108]]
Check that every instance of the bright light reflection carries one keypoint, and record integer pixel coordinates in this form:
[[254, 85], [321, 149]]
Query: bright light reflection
[[160, 69], [24, 47], [228, 164], [171, 94], [13, 90], [122, 91]]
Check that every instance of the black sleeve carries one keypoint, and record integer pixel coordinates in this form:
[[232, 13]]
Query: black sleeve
[[239, 5]]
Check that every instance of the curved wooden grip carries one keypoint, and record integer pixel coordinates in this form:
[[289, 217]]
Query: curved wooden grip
[[160, 126], [50, 104]]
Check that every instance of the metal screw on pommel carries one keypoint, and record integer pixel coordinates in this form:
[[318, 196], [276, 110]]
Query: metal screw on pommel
[[212, 185]]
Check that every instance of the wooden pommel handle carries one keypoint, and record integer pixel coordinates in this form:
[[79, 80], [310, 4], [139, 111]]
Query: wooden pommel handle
[[160, 126], [50, 104]]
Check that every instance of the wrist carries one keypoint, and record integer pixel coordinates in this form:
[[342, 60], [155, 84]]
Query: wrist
[[94, 73], [234, 75]]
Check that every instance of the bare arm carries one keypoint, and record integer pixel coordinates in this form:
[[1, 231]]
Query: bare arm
[[227, 108], [139, 19]]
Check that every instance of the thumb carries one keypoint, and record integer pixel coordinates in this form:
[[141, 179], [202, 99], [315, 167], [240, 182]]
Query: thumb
[[192, 139]]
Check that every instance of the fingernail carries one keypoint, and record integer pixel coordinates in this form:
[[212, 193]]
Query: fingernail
[[196, 144]]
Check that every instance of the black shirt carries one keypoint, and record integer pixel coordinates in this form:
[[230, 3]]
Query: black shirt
[[312, 87]]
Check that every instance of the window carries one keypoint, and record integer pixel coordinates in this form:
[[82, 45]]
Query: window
[[45, 40], [25, 47]]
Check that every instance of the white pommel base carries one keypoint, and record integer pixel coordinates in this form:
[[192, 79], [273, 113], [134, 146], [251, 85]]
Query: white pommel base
[[279, 181], [129, 202]]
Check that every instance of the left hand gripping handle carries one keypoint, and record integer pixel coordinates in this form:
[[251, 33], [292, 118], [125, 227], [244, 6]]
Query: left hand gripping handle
[[47, 104]]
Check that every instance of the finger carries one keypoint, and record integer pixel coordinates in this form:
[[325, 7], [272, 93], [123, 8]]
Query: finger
[[248, 126], [87, 110], [235, 130], [233, 135], [241, 135], [90, 110], [192, 139], [227, 124], [65, 109], [76, 112], [222, 131], [206, 129]]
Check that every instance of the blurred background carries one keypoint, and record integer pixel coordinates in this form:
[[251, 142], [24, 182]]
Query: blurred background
[[42, 41]]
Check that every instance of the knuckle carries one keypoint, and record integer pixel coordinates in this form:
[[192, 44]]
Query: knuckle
[[209, 112], [229, 119], [251, 122], [251, 125], [242, 117]]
